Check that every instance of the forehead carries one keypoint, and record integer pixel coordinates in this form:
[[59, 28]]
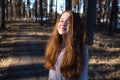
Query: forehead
[[65, 16]]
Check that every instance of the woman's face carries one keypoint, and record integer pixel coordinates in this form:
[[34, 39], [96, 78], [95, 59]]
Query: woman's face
[[63, 24]]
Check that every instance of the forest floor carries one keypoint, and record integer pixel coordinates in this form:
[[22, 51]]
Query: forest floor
[[22, 53]]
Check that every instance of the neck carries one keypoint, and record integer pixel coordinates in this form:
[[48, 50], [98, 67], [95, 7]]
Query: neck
[[64, 39]]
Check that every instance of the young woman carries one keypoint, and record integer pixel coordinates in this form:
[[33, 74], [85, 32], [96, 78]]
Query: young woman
[[66, 55]]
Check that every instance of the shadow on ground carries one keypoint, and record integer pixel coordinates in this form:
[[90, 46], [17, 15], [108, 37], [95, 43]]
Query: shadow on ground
[[22, 48]]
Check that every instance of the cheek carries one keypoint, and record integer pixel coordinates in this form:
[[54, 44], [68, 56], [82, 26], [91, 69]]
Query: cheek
[[68, 28], [58, 25]]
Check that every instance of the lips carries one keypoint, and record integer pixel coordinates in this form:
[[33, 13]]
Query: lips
[[62, 27], [62, 30]]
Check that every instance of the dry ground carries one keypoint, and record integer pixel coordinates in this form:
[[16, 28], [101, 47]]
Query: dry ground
[[22, 53]]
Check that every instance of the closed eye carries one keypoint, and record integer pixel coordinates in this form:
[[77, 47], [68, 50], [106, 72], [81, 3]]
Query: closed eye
[[61, 20]]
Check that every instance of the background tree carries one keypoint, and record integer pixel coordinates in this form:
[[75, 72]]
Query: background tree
[[28, 8], [108, 11], [41, 12], [85, 2], [68, 5], [76, 5], [22, 8], [35, 8], [51, 10], [56, 10], [0, 9], [91, 21], [19, 4], [113, 17], [11, 10], [3, 22], [6, 7]]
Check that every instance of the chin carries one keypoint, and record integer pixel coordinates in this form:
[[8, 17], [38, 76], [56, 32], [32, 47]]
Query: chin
[[62, 33]]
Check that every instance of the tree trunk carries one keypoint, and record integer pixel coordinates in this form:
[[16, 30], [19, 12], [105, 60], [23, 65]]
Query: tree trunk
[[14, 7], [36, 10], [56, 10], [28, 7], [78, 9], [100, 5], [113, 17], [68, 5], [91, 21], [19, 8], [22, 8], [3, 22], [11, 10], [51, 4], [41, 12], [6, 3], [84, 7], [108, 11]]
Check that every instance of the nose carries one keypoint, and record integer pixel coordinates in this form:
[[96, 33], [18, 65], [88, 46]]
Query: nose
[[64, 24]]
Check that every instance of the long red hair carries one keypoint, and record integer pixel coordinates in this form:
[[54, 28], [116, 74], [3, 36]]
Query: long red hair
[[74, 57]]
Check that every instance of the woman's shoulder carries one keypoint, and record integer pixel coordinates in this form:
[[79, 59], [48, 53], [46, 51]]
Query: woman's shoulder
[[86, 52], [85, 48]]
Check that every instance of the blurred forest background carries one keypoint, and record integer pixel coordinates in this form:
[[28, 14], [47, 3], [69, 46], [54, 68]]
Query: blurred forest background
[[25, 26]]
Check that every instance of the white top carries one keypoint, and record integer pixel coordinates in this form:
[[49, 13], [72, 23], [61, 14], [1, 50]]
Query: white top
[[56, 74]]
